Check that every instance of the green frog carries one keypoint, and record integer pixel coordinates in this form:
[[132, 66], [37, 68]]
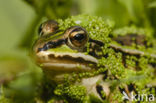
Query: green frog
[[89, 58]]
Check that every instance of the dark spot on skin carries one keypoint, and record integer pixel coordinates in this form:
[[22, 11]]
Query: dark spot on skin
[[96, 42], [106, 55], [95, 50], [153, 65], [121, 89], [137, 66], [131, 87], [99, 90], [124, 60], [105, 74]]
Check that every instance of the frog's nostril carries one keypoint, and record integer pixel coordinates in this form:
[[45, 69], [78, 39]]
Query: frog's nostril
[[100, 91]]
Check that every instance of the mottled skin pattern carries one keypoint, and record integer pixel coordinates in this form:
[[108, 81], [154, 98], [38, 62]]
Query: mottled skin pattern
[[55, 65]]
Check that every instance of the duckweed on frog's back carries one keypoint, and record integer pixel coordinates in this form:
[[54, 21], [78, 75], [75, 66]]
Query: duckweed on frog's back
[[81, 58]]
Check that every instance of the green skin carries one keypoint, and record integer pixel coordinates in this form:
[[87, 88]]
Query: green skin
[[103, 73]]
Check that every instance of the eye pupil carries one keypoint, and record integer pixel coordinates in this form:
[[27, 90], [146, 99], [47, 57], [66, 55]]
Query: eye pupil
[[79, 37]]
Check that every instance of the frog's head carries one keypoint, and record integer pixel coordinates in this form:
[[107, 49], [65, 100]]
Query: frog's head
[[65, 51]]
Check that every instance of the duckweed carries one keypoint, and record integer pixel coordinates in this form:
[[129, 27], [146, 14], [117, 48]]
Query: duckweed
[[127, 69]]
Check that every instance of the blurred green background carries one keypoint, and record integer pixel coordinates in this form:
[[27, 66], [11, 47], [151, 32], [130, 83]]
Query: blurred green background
[[15, 18], [19, 20]]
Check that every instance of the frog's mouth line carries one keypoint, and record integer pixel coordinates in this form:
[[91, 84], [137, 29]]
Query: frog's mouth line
[[67, 62]]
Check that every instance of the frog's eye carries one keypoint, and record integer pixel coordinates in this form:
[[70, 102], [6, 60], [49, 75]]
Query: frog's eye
[[77, 37], [47, 27]]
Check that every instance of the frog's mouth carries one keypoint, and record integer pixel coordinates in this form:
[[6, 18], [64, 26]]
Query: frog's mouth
[[66, 62]]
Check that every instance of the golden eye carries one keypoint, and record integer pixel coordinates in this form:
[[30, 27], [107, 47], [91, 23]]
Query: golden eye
[[47, 27], [76, 36]]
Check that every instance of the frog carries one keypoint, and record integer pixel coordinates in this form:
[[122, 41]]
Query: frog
[[70, 49]]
